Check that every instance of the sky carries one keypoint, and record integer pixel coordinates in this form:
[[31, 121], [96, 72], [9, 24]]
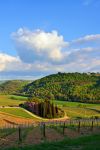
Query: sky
[[41, 37]]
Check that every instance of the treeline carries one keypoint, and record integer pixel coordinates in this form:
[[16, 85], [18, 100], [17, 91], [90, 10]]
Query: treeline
[[82, 87], [44, 109]]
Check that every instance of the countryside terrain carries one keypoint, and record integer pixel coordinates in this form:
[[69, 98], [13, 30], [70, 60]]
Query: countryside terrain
[[76, 94]]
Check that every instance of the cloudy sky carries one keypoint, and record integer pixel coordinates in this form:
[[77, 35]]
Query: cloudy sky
[[41, 37]]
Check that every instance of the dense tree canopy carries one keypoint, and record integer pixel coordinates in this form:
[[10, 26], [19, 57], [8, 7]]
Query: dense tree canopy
[[83, 87]]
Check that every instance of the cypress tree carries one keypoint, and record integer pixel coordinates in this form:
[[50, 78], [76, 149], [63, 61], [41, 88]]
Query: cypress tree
[[53, 109], [56, 109]]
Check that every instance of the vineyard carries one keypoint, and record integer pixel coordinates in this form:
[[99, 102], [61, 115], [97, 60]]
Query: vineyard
[[14, 135], [21, 128]]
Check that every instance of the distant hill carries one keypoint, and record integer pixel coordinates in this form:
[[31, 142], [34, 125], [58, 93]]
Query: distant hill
[[66, 86], [2, 82], [12, 86]]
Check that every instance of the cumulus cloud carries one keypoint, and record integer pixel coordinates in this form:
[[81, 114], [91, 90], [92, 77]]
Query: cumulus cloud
[[12, 67], [80, 60], [6, 60], [14, 63], [39, 45], [41, 53]]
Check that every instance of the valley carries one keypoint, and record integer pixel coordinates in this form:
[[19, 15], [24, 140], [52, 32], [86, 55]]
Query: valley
[[18, 123]]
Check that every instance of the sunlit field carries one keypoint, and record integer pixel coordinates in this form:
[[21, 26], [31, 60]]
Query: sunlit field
[[11, 100]]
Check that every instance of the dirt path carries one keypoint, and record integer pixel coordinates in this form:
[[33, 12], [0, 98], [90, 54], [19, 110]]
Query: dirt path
[[53, 135], [33, 137], [71, 133]]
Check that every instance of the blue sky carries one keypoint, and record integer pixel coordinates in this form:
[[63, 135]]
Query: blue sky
[[40, 37]]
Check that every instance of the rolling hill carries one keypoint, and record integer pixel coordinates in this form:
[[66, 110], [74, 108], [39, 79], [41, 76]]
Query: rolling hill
[[12, 86], [82, 87]]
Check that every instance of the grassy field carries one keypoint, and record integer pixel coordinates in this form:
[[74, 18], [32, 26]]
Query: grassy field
[[91, 142], [16, 115], [19, 112], [72, 109], [16, 97], [76, 104], [13, 116], [11, 100], [82, 110]]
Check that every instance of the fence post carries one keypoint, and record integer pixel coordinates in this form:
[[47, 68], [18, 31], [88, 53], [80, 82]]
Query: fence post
[[79, 126], [70, 122], [64, 128], [92, 126], [19, 133], [97, 121], [44, 130]]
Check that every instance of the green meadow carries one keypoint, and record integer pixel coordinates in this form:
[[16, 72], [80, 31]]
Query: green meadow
[[77, 109], [72, 109], [18, 112]]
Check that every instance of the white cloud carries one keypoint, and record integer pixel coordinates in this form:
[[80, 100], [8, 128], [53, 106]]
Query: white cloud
[[88, 38], [41, 53], [14, 64], [6, 60], [39, 45]]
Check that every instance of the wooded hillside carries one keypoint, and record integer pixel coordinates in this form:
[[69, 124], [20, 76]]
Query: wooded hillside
[[12, 86], [81, 87]]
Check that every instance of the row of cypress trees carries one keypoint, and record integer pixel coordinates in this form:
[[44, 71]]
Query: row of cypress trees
[[45, 109]]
